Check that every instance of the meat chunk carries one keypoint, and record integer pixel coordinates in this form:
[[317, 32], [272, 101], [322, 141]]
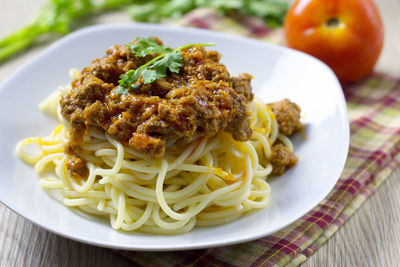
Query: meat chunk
[[282, 159], [76, 167], [287, 114], [241, 85]]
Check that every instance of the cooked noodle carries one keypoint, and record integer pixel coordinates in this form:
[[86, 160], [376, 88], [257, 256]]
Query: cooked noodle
[[208, 181]]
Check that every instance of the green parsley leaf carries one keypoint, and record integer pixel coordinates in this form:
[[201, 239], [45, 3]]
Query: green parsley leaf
[[143, 47], [174, 61], [150, 76], [171, 61], [154, 69], [121, 90]]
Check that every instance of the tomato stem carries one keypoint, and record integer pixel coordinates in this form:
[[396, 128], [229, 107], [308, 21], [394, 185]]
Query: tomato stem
[[333, 23]]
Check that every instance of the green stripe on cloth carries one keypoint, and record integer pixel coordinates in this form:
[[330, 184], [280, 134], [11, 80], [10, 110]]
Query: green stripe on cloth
[[374, 114]]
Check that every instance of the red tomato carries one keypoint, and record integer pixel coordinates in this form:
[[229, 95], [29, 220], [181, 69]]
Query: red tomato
[[346, 34]]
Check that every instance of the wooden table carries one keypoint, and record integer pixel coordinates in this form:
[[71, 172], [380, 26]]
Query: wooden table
[[371, 237]]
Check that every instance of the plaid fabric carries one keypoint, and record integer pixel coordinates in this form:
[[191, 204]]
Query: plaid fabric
[[374, 113]]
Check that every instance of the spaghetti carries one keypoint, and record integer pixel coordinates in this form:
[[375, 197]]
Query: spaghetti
[[203, 182]]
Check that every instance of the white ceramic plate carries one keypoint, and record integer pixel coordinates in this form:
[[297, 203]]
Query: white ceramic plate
[[278, 73]]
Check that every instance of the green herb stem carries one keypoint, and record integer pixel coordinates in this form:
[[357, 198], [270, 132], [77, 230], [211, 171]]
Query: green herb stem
[[178, 49], [190, 45]]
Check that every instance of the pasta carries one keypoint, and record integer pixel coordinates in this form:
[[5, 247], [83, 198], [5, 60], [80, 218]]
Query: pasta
[[205, 182]]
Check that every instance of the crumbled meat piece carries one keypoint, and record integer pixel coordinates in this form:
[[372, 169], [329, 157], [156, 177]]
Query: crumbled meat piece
[[147, 144], [282, 159], [241, 84], [201, 100], [76, 167], [287, 114]]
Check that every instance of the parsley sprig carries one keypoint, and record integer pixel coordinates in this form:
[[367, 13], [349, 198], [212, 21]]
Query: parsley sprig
[[154, 69]]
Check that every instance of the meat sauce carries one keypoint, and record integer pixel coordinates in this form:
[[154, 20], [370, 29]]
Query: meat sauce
[[199, 101]]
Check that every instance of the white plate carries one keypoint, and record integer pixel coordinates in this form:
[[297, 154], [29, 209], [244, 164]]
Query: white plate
[[278, 73]]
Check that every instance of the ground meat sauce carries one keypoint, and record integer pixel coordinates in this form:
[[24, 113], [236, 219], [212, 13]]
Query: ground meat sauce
[[201, 100]]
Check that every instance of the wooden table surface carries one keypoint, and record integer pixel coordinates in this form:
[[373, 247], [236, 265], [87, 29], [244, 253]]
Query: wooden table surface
[[371, 237]]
